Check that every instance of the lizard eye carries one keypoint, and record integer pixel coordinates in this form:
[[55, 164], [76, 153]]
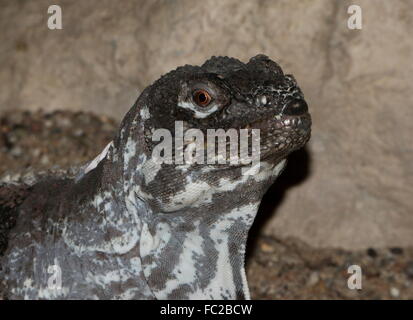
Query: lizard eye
[[202, 98]]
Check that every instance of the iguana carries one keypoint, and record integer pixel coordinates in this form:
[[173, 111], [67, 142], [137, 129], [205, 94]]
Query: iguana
[[129, 227]]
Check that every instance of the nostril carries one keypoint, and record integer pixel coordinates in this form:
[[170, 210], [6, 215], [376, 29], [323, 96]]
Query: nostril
[[295, 107]]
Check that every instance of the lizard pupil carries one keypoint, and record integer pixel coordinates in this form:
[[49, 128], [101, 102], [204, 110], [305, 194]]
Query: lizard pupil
[[202, 98]]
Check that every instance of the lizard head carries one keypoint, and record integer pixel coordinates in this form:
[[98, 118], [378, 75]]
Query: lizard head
[[223, 93], [226, 93]]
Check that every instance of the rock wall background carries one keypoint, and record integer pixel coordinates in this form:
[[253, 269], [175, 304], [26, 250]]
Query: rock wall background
[[353, 185]]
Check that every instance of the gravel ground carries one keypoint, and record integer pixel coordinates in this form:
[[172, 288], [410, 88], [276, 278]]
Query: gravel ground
[[290, 269], [276, 268]]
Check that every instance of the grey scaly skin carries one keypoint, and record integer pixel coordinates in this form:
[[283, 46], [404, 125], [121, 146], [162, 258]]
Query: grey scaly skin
[[130, 228]]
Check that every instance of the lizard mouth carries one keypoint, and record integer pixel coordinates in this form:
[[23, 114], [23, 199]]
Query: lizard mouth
[[280, 135]]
